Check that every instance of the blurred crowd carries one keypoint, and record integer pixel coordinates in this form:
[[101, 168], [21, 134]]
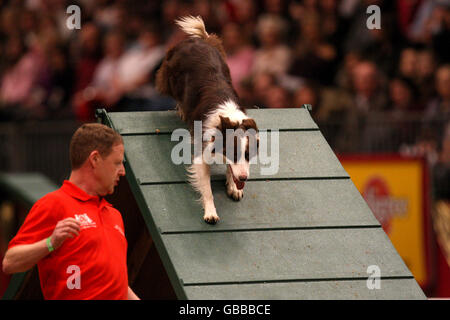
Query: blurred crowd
[[363, 83]]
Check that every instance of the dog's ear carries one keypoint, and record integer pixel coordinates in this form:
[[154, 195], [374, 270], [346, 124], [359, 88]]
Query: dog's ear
[[249, 124], [225, 123]]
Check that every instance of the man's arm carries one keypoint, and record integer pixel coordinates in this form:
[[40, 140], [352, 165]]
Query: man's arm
[[23, 257], [132, 295]]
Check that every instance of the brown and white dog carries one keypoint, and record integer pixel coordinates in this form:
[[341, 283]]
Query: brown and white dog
[[195, 74]]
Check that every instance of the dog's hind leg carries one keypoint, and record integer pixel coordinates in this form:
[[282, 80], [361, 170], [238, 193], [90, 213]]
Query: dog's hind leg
[[200, 179]]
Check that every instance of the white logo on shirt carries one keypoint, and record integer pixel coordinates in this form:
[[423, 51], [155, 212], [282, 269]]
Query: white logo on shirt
[[118, 228], [85, 221]]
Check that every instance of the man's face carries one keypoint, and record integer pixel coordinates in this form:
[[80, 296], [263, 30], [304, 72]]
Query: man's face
[[110, 169]]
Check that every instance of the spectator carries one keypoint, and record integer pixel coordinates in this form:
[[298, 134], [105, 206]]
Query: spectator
[[439, 107], [403, 97], [273, 56], [404, 105], [104, 79], [306, 94], [441, 32], [275, 7], [368, 98], [244, 13], [314, 58], [134, 88], [87, 56], [22, 90], [367, 88], [240, 54], [425, 69], [260, 87], [343, 77], [61, 75], [407, 63], [278, 97], [12, 51]]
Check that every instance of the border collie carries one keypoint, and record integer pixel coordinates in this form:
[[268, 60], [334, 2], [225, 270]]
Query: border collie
[[195, 74]]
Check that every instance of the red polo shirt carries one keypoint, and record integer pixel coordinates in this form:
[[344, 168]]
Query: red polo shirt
[[90, 266]]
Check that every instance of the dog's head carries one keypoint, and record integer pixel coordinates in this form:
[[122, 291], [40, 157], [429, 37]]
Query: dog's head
[[240, 143]]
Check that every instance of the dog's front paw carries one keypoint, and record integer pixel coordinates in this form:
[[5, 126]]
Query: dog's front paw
[[233, 192], [211, 217]]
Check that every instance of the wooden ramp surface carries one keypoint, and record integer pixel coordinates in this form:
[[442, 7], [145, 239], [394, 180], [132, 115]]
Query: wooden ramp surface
[[303, 233]]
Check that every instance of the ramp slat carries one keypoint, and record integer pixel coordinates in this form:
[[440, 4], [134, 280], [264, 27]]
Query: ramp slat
[[266, 204], [282, 255], [167, 121], [301, 155], [406, 289]]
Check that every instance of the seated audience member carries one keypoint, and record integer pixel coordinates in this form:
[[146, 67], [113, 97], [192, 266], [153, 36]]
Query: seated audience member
[[425, 70], [22, 89], [343, 77], [273, 56], [261, 83], [104, 81], [407, 64], [136, 69], [278, 97], [367, 88], [439, 107], [240, 54], [313, 57], [88, 55], [403, 95]]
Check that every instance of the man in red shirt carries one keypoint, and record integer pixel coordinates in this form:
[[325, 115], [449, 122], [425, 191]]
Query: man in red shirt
[[73, 234]]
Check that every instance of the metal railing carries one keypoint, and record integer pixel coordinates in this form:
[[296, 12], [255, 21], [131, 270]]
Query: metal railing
[[382, 132], [37, 146]]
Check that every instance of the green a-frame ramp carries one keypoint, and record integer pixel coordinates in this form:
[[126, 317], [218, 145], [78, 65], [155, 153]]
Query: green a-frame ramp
[[304, 233]]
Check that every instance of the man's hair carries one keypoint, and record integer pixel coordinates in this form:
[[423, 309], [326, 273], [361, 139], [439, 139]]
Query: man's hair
[[90, 137]]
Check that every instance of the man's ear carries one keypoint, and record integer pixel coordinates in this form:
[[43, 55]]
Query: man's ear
[[94, 158]]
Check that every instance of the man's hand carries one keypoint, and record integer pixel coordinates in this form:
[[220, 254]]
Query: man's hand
[[67, 228], [23, 257]]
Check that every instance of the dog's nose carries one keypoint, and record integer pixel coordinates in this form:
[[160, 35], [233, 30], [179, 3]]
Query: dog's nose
[[242, 178]]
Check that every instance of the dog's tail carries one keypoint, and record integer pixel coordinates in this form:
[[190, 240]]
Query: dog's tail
[[193, 26]]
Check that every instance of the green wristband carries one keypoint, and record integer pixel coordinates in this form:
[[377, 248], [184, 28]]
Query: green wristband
[[49, 244]]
